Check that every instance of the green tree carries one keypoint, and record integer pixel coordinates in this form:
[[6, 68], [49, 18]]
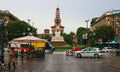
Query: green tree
[[69, 37], [47, 37], [18, 28], [105, 32], [93, 21], [80, 32], [91, 38]]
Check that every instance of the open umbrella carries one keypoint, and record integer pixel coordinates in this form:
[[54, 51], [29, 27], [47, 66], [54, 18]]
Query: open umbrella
[[76, 49], [28, 39]]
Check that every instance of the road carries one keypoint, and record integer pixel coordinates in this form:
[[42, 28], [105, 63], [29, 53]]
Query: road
[[58, 62]]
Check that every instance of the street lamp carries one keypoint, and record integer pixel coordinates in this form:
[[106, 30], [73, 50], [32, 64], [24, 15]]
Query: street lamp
[[30, 33], [87, 23], [28, 30]]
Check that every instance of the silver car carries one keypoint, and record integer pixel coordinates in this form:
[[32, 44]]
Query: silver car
[[89, 52], [108, 49]]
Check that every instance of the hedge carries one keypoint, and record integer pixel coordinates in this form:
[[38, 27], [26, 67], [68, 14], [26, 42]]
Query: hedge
[[63, 48]]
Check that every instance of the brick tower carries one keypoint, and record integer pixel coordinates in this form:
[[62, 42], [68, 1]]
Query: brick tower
[[57, 30]]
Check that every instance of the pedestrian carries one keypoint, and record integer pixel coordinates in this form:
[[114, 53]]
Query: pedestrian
[[67, 54], [11, 58], [16, 54], [22, 54], [1, 57]]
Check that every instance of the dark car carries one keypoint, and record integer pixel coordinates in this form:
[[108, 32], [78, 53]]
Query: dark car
[[49, 48]]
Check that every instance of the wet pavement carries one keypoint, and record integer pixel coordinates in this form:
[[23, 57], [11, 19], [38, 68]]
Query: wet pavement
[[58, 62]]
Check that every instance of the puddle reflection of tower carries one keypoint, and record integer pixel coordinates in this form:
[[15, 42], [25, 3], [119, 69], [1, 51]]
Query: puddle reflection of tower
[[57, 30]]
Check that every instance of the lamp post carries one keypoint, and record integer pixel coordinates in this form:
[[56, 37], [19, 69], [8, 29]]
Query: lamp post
[[94, 40], [2, 38], [30, 33], [87, 23], [28, 30]]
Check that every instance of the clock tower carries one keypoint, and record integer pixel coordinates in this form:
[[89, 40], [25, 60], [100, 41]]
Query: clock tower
[[57, 30]]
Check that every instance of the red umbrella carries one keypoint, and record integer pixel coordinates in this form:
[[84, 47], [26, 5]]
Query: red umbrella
[[22, 49], [76, 49]]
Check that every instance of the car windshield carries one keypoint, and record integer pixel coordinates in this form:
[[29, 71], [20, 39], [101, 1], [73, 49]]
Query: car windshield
[[87, 49], [93, 49]]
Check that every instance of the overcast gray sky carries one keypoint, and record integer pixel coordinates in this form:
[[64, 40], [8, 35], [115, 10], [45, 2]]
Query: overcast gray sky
[[73, 12]]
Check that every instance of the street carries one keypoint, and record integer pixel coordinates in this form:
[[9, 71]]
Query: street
[[58, 62]]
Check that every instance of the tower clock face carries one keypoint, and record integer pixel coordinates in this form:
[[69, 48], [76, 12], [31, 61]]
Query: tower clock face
[[57, 21]]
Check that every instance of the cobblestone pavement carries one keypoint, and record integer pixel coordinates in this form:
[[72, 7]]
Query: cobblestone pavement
[[58, 62]]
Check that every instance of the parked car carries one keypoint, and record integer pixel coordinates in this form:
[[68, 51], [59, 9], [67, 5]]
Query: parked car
[[89, 52], [108, 49]]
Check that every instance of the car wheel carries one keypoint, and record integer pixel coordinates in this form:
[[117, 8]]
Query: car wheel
[[96, 56], [78, 55]]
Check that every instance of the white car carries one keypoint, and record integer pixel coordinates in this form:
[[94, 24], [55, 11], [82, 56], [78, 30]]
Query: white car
[[89, 52], [108, 49]]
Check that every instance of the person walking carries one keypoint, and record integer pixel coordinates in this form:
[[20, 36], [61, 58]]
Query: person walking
[[1, 57], [11, 58]]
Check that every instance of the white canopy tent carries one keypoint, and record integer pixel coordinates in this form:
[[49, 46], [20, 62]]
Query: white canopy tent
[[28, 39], [16, 42]]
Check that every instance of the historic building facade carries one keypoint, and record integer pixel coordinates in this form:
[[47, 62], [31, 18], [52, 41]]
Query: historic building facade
[[111, 18], [7, 16]]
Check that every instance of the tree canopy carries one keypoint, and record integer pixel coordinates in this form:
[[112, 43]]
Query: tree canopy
[[80, 32], [94, 20], [69, 37], [105, 32], [18, 29]]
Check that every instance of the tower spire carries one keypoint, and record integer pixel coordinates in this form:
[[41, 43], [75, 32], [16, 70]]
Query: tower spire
[[57, 30], [57, 7]]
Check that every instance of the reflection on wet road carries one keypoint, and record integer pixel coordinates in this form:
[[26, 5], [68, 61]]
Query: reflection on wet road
[[58, 62]]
